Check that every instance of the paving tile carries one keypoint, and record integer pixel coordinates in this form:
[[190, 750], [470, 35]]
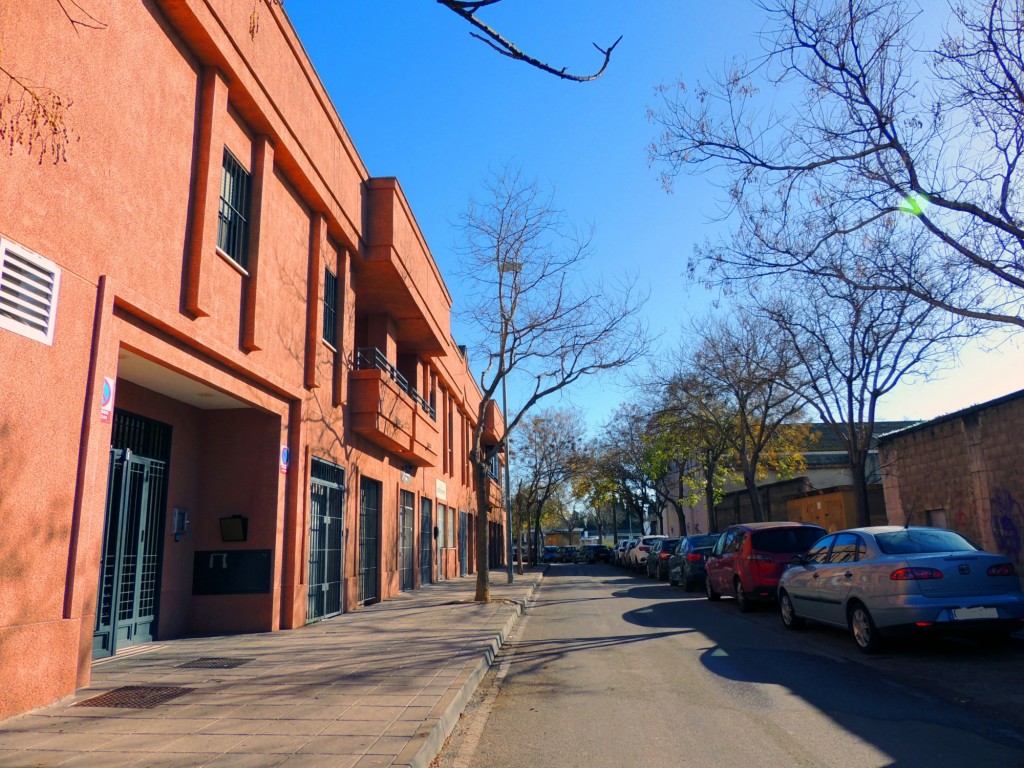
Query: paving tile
[[36, 758], [246, 761], [101, 759], [338, 745], [355, 728], [75, 742], [271, 744], [320, 761], [215, 743], [229, 725], [295, 727]]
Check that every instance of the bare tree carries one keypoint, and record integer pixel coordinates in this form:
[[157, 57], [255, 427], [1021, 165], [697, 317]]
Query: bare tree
[[467, 9], [547, 457], [884, 144], [541, 327], [851, 348], [742, 368]]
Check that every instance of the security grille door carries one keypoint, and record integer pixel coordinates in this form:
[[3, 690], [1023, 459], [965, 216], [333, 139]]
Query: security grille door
[[406, 540], [463, 543], [326, 539], [369, 531], [426, 542], [128, 597]]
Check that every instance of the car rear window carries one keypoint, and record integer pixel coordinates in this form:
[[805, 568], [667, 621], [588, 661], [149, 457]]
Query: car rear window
[[912, 542], [786, 539], [703, 541]]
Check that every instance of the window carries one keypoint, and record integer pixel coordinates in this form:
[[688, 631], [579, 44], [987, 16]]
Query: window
[[28, 292], [818, 554], [847, 549], [232, 223], [451, 528], [494, 466], [330, 308], [440, 525]]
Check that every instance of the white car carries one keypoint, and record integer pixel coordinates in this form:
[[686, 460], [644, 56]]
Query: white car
[[636, 558]]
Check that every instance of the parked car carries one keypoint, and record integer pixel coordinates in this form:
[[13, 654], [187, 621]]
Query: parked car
[[636, 558], [686, 565], [619, 555], [594, 553], [886, 580], [566, 554], [748, 560], [549, 554], [657, 558]]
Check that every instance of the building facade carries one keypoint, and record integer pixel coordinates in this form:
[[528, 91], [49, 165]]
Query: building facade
[[231, 400]]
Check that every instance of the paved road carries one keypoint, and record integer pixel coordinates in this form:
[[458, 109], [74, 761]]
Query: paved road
[[610, 669]]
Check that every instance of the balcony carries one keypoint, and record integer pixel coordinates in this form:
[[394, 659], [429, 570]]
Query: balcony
[[387, 410]]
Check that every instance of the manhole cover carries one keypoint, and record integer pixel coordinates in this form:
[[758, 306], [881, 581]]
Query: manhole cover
[[213, 663], [135, 697]]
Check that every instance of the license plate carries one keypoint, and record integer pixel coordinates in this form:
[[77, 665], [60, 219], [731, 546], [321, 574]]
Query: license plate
[[962, 614]]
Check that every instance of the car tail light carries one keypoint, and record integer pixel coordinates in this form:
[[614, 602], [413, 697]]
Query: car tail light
[[693, 557], [664, 555], [915, 574], [1003, 569], [642, 548]]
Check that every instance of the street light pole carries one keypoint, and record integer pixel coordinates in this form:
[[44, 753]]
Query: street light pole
[[508, 484]]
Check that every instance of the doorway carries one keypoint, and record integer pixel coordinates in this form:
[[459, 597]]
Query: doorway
[[326, 540], [369, 544], [129, 583]]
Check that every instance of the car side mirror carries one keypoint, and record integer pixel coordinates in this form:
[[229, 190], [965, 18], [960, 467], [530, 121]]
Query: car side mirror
[[798, 560]]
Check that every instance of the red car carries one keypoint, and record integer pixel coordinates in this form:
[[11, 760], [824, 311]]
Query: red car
[[749, 558]]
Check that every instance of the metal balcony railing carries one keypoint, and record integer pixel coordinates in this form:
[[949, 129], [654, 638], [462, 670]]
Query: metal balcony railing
[[369, 358]]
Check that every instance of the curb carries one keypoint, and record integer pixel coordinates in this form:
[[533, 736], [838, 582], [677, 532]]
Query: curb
[[431, 736]]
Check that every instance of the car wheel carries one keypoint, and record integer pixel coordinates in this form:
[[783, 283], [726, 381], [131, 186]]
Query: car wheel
[[672, 580], [744, 603], [789, 618], [712, 595], [862, 627]]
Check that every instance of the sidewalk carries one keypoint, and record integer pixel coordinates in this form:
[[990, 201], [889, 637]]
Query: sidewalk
[[382, 686]]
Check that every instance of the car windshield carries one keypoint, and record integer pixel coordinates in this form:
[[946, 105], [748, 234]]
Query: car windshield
[[786, 539], [917, 541]]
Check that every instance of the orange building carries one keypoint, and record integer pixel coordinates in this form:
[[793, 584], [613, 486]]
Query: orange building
[[231, 401]]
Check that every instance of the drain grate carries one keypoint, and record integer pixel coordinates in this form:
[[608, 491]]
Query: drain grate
[[213, 663], [135, 697]]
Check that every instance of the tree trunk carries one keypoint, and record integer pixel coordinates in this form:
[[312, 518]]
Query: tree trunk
[[483, 560], [754, 494], [858, 460], [709, 499]]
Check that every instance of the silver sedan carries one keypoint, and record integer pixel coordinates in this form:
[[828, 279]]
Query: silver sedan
[[888, 579]]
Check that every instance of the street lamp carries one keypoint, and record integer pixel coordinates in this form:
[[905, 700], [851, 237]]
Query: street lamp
[[514, 268]]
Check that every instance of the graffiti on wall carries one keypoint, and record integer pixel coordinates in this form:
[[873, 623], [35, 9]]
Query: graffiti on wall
[[1007, 523]]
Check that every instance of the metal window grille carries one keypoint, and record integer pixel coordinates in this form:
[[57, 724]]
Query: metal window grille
[[330, 308], [326, 540], [28, 292], [232, 223]]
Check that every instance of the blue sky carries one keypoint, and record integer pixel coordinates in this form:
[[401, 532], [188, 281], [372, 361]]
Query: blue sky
[[425, 102]]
